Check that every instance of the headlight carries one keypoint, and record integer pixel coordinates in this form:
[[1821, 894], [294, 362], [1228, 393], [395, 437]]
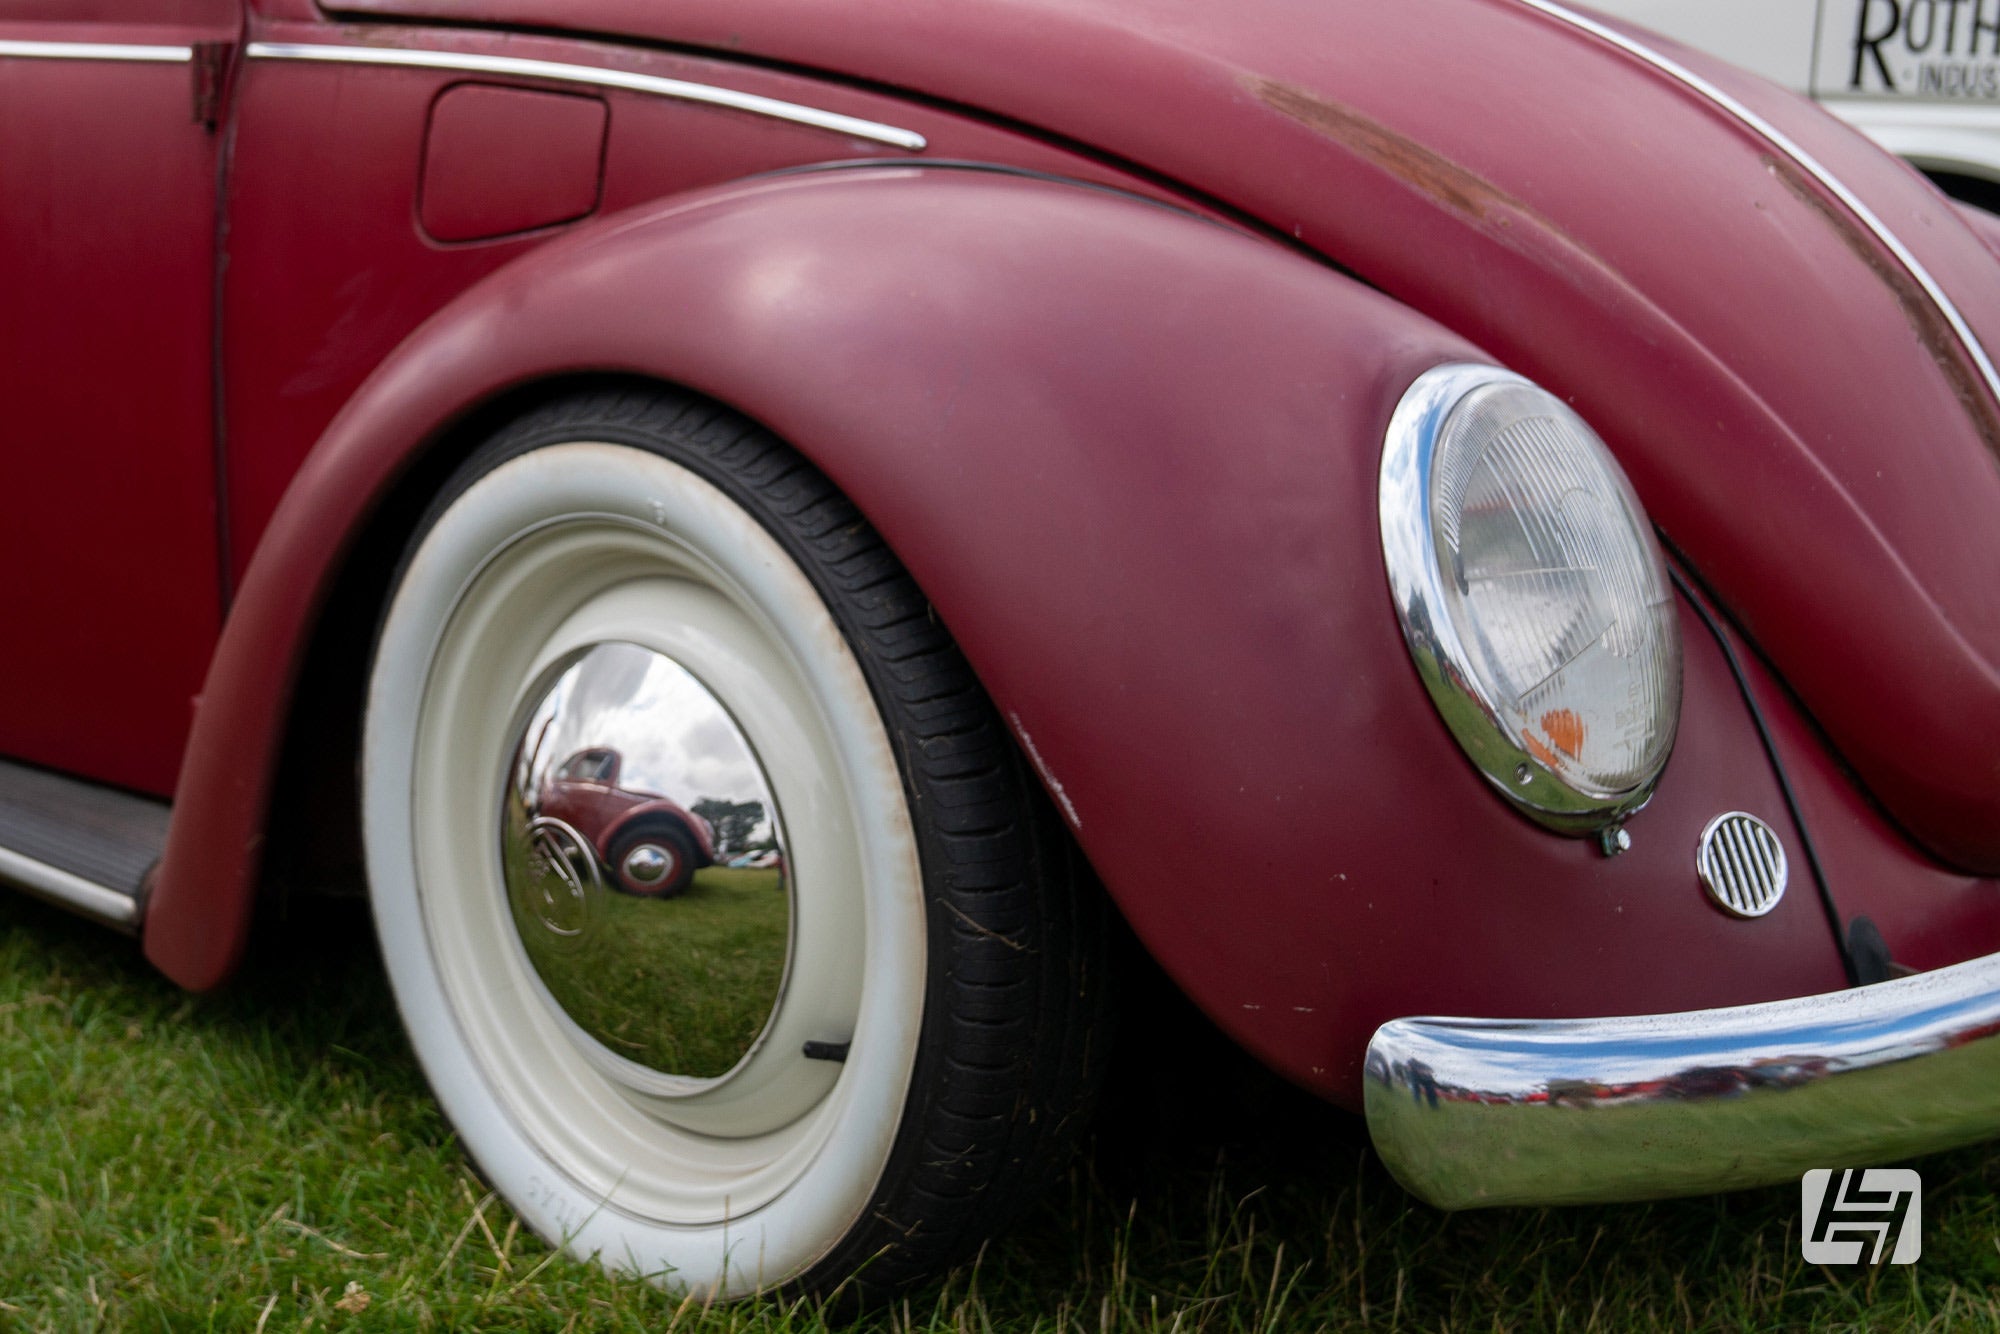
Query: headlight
[[1532, 594]]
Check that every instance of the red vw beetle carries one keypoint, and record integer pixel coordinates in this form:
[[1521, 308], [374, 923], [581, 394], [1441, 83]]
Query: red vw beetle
[[1438, 509], [648, 844]]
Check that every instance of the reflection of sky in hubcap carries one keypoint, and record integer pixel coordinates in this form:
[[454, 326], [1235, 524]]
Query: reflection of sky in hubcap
[[671, 734], [645, 864]]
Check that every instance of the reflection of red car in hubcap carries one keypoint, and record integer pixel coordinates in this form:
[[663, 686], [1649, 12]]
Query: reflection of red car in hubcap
[[647, 844]]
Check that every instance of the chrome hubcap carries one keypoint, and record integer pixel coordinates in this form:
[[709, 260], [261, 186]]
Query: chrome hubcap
[[648, 864], [564, 885], [672, 957]]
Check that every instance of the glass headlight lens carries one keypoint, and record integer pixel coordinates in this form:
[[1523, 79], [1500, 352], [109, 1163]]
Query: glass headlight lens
[[1532, 592]]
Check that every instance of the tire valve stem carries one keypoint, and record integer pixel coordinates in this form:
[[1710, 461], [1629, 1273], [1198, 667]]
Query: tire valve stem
[[827, 1051]]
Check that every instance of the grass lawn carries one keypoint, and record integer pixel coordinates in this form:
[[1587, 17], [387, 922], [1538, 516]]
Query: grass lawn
[[268, 1158], [684, 984]]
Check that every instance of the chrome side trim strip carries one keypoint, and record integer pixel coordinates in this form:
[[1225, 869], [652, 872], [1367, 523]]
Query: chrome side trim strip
[[163, 55], [1469, 1113], [70, 891], [1783, 143], [677, 89]]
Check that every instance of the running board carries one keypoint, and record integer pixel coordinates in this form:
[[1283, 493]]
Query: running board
[[78, 845]]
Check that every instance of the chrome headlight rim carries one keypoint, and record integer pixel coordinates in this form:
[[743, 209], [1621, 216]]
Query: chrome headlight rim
[[1444, 664]]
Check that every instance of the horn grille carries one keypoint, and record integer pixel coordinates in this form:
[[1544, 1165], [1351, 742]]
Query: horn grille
[[1742, 864]]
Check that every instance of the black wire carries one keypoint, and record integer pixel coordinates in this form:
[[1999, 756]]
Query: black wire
[[1708, 618]]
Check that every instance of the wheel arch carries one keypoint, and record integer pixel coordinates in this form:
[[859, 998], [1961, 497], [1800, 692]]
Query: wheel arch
[[266, 800], [1047, 399], [312, 839], [658, 814]]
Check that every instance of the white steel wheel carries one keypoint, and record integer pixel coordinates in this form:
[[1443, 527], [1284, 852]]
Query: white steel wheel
[[856, 1038]]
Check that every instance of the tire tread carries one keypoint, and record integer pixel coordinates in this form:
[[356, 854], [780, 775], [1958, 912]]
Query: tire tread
[[1017, 1001]]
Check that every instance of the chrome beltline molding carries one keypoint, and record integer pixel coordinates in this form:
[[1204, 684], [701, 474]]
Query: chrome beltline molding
[[1783, 143], [70, 891], [161, 55], [678, 89]]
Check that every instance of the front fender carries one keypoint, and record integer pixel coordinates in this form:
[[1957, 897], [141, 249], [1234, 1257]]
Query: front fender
[[614, 828], [1131, 457], [894, 324]]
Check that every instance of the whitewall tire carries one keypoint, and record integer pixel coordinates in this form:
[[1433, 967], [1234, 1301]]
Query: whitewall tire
[[916, 1044]]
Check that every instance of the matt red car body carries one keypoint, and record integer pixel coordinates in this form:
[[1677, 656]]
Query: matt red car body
[[590, 798], [1108, 363]]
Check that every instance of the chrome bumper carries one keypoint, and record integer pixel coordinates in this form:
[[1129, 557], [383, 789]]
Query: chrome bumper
[[1475, 1112]]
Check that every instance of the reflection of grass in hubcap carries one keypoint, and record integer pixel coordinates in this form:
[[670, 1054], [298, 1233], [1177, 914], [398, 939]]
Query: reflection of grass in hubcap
[[684, 984], [681, 985]]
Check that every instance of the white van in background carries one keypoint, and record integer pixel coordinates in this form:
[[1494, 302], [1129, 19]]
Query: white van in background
[[1921, 77]]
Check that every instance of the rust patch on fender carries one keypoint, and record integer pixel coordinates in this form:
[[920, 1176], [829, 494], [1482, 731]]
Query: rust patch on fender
[[1497, 216], [1932, 329], [1425, 170]]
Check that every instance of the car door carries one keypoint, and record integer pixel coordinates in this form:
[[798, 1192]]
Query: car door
[[111, 595]]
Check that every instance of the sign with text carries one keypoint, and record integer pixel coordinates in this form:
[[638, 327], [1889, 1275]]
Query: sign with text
[[1931, 50]]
